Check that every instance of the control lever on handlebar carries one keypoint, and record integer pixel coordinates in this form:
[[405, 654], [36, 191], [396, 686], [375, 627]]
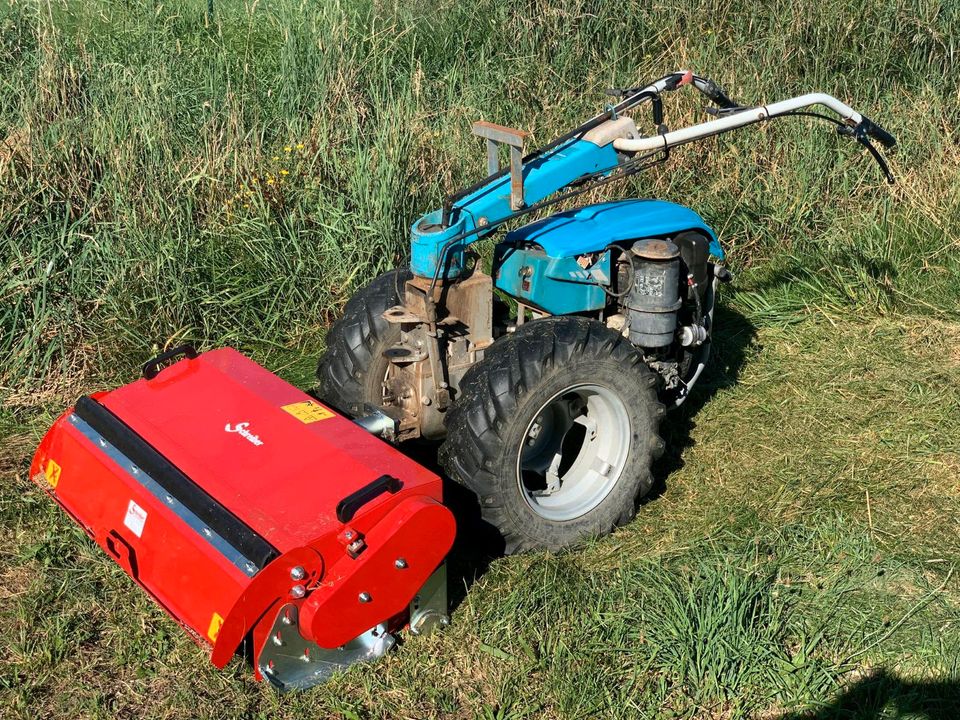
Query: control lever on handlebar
[[862, 132]]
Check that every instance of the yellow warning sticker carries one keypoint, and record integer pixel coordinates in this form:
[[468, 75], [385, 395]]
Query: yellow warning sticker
[[216, 622], [308, 411], [52, 473]]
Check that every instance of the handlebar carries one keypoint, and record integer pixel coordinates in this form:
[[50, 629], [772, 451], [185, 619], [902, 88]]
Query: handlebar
[[746, 116], [878, 133], [731, 115]]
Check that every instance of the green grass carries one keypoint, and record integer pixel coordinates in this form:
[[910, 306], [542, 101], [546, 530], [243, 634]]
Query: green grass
[[798, 558]]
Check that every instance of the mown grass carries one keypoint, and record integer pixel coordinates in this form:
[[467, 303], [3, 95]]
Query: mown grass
[[760, 581], [799, 554]]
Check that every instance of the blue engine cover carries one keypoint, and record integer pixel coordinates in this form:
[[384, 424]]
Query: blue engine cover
[[551, 278]]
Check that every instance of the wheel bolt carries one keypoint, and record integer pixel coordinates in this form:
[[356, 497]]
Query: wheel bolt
[[364, 597]]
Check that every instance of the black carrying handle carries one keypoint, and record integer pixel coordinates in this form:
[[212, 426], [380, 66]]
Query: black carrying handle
[[153, 367], [349, 506]]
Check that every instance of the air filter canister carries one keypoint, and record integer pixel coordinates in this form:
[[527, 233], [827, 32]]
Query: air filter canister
[[654, 299]]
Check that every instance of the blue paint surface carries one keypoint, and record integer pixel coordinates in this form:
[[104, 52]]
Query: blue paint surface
[[591, 228], [558, 285], [552, 280], [427, 241], [542, 176]]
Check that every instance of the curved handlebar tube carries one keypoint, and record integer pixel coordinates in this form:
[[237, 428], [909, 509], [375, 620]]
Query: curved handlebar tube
[[736, 120]]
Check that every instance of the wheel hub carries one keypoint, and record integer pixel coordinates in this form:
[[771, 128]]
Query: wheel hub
[[574, 451]]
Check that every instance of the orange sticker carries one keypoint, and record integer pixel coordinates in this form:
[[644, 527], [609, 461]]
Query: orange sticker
[[52, 473], [308, 411], [216, 622]]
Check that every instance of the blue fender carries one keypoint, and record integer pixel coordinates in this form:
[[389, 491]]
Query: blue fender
[[593, 227], [551, 279]]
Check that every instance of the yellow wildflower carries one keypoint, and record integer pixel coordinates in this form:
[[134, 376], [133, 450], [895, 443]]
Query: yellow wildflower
[[284, 172], [287, 148]]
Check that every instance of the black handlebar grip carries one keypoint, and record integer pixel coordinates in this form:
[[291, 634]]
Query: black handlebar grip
[[716, 94], [152, 367], [877, 133]]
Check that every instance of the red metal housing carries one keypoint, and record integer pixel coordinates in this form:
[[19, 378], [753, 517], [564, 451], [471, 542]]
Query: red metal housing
[[216, 485]]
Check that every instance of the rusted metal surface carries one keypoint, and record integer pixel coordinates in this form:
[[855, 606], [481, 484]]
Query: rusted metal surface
[[655, 249], [442, 335], [495, 136], [499, 133]]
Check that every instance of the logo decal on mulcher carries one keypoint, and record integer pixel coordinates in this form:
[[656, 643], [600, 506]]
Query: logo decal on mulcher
[[242, 430]]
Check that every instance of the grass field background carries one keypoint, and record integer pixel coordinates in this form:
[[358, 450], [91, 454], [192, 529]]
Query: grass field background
[[167, 175]]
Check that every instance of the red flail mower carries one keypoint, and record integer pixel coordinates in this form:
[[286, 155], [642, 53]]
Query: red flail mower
[[254, 514]]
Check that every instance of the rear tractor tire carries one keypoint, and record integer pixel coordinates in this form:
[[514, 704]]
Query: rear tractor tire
[[352, 370], [555, 431]]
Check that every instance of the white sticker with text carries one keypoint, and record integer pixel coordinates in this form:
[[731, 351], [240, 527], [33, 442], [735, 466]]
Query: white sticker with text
[[136, 518]]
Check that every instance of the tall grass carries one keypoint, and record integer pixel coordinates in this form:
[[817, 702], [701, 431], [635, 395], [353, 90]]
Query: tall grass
[[168, 177]]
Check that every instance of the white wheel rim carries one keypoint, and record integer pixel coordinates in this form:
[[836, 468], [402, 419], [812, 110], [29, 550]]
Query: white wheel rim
[[573, 452]]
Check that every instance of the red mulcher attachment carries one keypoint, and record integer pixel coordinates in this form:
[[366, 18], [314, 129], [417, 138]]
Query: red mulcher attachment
[[249, 511]]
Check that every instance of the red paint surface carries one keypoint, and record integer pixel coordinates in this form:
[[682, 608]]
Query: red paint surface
[[286, 489]]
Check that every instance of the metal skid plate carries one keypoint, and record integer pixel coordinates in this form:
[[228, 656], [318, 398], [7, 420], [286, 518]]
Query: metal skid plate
[[291, 662], [428, 611]]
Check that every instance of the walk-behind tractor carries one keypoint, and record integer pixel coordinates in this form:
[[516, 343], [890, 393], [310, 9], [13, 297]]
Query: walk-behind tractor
[[296, 531]]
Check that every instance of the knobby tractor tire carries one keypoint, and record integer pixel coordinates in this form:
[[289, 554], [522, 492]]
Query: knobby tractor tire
[[352, 370], [504, 395]]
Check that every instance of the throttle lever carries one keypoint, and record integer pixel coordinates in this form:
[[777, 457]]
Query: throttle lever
[[878, 157], [860, 133]]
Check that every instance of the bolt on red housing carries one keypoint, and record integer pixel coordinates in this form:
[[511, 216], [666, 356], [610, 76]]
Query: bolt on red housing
[[228, 495]]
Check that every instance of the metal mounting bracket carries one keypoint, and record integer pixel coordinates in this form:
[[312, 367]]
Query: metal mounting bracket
[[495, 136]]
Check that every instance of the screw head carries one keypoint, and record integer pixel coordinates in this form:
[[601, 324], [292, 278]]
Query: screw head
[[348, 535], [297, 573], [400, 563], [364, 597], [298, 591]]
